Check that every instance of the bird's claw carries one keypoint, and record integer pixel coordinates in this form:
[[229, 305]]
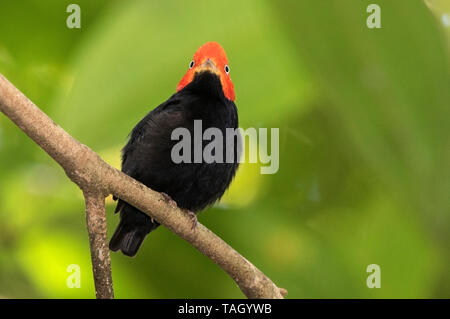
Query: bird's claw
[[169, 200], [193, 219]]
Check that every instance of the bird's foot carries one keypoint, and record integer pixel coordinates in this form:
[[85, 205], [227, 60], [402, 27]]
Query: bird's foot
[[169, 200], [193, 219]]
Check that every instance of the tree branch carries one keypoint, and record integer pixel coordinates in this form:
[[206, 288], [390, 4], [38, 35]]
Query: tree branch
[[97, 179], [101, 261]]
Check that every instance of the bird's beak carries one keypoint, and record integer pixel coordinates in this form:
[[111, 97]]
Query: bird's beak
[[208, 65]]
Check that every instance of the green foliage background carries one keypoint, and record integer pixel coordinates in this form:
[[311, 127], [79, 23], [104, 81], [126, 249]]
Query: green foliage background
[[364, 143]]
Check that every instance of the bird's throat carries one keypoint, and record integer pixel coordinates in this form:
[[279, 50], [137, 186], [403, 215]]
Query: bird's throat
[[207, 82]]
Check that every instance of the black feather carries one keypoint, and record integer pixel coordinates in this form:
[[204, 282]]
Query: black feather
[[147, 157]]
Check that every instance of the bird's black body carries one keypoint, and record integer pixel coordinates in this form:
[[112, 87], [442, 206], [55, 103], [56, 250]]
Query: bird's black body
[[147, 157]]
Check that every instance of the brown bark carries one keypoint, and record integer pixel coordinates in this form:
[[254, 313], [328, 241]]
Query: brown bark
[[101, 261]]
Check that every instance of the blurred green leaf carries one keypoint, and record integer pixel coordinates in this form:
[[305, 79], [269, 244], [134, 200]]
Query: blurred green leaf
[[389, 89]]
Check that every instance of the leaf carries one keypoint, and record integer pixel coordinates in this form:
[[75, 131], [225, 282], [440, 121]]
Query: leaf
[[388, 88]]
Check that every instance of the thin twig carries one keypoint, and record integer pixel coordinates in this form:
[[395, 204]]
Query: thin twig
[[98, 242], [85, 168]]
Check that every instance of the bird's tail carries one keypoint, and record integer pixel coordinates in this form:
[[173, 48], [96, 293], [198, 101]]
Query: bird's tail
[[133, 227]]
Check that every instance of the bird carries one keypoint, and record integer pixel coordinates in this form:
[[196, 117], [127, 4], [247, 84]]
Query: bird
[[205, 93]]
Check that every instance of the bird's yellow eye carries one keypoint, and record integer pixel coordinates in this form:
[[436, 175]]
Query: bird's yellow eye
[[191, 64], [227, 69]]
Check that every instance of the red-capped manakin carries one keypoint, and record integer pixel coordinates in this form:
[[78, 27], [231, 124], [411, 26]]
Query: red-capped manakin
[[205, 93]]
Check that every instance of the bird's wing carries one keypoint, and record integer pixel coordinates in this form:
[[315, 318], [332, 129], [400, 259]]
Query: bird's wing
[[151, 132], [153, 124]]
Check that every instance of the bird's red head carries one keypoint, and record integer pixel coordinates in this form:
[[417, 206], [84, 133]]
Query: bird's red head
[[210, 57]]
